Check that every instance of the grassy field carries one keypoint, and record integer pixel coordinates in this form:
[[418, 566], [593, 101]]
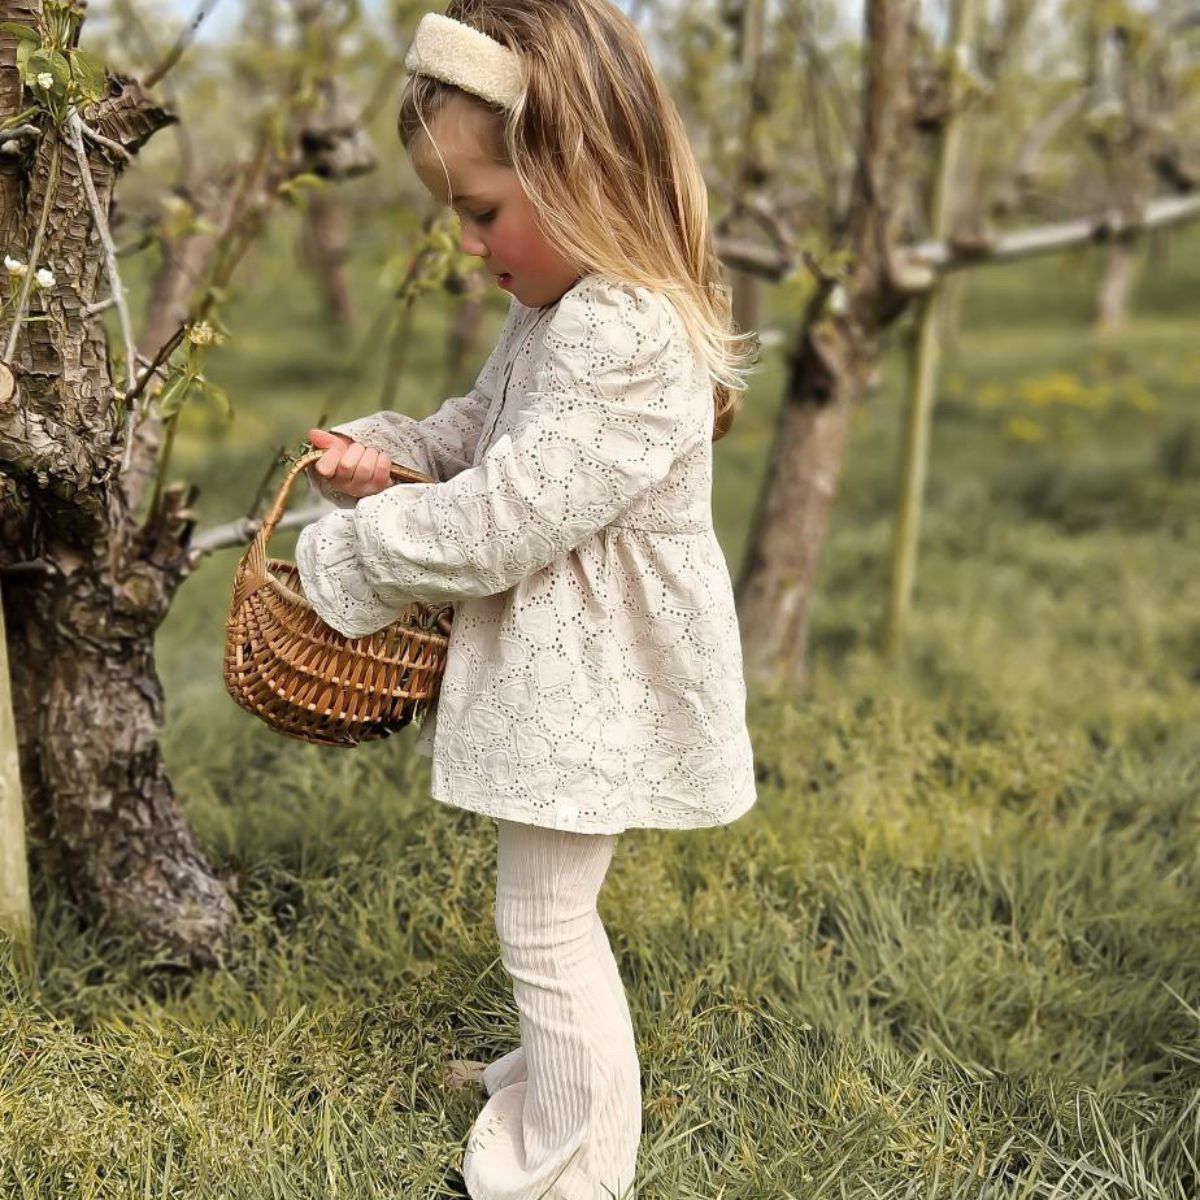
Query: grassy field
[[952, 951]]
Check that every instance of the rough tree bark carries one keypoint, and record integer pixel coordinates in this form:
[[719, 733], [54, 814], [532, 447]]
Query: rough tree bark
[[87, 698], [16, 909], [834, 356]]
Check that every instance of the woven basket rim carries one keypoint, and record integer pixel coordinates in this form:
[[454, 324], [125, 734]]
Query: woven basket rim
[[424, 635], [262, 680]]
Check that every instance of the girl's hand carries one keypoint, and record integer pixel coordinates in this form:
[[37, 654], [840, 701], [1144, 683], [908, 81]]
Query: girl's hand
[[350, 467]]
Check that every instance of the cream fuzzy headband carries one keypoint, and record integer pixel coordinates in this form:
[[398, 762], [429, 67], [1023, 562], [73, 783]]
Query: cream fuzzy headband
[[455, 53]]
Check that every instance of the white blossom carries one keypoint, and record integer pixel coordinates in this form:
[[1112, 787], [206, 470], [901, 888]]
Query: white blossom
[[15, 266], [46, 80], [44, 277]]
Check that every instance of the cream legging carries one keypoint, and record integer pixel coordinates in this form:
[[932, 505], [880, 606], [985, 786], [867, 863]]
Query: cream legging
[[564, 1114]]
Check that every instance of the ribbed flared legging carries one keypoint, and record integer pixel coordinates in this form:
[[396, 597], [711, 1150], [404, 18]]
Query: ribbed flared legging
[[564, 1117]]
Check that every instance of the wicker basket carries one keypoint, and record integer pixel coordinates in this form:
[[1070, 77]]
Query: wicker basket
[[306, 680]]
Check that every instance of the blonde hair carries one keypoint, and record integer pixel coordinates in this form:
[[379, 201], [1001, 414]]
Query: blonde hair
[[603, 155]]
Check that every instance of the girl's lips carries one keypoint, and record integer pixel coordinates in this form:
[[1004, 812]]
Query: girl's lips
[[505, 279]]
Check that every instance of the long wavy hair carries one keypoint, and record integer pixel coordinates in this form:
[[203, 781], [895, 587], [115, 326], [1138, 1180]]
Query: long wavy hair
[[603, 155]]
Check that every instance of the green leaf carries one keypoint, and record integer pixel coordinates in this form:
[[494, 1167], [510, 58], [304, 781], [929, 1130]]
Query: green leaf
[[19, 118], [289, 189], [59, 67], [90, 71], [50, 61], [174, 396], [22, 31], [219, 396]]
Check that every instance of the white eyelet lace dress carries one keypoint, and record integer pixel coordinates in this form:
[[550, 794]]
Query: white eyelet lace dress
[[594, 672]]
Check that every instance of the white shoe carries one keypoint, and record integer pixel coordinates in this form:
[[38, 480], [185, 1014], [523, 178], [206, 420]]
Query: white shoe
[[508, 1069]]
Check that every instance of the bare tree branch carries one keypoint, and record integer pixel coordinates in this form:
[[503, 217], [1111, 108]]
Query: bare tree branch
[[920, 260], [242, 531], [1043, 131], [181, 44], [74, 139], [1052, 239]]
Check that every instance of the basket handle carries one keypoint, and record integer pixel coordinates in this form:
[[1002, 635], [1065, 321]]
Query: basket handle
[[252, 571], [399, 473]]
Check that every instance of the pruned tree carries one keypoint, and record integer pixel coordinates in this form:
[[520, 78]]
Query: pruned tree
[[866, 276], [90, 565], [836, 352], [1139, 124]]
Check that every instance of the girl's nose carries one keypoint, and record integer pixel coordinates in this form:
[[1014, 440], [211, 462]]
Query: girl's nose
[[472, 245]]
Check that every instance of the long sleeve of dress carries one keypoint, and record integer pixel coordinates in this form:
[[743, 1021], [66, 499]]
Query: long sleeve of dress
[[610, 411], [440, 445]]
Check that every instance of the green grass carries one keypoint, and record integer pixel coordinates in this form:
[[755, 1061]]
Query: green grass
[[950, 953]]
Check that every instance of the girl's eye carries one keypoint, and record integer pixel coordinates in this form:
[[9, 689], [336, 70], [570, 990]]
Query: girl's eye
[[484, 218]]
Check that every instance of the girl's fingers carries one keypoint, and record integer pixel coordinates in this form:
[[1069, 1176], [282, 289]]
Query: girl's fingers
[[348, 467], [333, 444], [364, 470], [327, 437], [351, 467], [383, 473], [327, 464]]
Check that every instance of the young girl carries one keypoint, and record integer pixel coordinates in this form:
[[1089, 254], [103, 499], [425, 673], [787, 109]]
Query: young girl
[[593, 681]]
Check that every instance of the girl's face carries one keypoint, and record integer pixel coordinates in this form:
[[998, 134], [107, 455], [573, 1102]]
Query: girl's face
[[498, 221]]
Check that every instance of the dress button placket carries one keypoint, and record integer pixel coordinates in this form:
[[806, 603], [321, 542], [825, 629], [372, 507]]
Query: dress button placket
[[486, 438]]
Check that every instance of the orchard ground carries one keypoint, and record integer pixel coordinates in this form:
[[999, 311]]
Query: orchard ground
[[952, 950]]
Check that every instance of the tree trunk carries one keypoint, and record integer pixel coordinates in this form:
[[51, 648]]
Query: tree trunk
[[88, 577], [90, 709], [187, 257], [333, 146], [924, 351], [1115, 286], [753, 171], [324, 249], [87, 700], [792, 518], [836, 353]]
